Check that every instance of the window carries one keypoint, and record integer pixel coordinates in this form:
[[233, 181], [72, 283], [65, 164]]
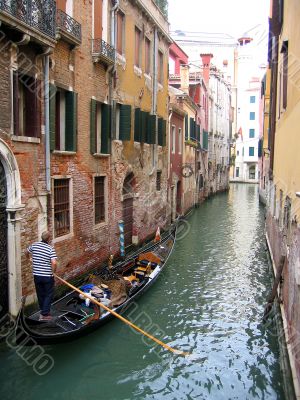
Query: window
[[252, 172], [160, 70], [122, 122], [147, 56], [99, 192], [98, 19], [243, 152], [138, 47], [179, 140], [26, 105], [252, 99], [252, 115], [158, 180], [251, 151], [100, 127], [237, 172], [61, 207], [251, 133], [237, 153], [120, 32], [63, 119], [173, 139]]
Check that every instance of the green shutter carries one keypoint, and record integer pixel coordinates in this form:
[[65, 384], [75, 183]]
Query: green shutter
[[159, 131], [144, 117], [105, 128], [151, 126], [192, 128], [186, 130], [93, 141], [52, 111], [164, 131], [137, 125], [125, 122], [198, 134], [71, 121]]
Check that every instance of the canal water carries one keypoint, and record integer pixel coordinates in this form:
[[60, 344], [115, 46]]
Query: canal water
[[209, 302]]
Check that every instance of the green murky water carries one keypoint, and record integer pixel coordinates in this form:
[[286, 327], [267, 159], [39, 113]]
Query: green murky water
[[209, 302]]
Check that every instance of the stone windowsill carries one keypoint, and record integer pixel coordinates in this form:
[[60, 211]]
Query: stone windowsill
[[121, 60], [26, 139], [138, 71], [64, 237], [64, 153], [160, 86], [101, 155], [100, 225]]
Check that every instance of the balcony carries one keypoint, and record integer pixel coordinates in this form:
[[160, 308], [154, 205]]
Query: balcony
[[68, 28], [103, 52], [35, 18]]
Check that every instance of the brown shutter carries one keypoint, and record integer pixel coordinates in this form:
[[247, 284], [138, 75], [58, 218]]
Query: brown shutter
[[98, 4], [30, 110], [16, 102]]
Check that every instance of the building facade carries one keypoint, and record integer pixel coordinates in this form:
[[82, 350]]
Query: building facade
[[82, 132], [283, 197]]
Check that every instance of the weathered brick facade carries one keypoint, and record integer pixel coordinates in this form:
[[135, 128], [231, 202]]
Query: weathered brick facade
[[74, 69]]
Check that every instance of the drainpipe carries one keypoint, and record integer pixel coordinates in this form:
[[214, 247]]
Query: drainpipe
[[169, 131], [47, 123], [154, 95]]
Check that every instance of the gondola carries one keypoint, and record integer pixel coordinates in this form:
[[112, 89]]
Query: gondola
[[73, 317]]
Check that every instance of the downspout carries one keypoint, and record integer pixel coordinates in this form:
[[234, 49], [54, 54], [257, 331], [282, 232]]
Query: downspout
[[47, 124], [169, 130], [154, 97]]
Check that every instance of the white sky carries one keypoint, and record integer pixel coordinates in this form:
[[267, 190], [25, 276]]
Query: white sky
[[227, 16]]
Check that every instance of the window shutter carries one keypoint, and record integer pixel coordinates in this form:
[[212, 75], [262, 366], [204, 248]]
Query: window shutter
[[125, 122], [93, 126], [198, 134], [192, 128], [144, 117], [105, 128], [151, 129], [164, 130], [71, 121], [52, 112], [16, 102], [186, 130], [137, 125], [159, 131]]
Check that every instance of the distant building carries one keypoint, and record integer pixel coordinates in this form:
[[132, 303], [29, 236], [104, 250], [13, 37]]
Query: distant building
[[248, 111]]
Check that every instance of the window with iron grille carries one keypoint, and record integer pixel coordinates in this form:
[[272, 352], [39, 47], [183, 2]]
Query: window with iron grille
[[99, 199], [158, 180], [61, 207]]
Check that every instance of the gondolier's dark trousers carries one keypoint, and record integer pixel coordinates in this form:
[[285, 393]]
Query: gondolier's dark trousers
[[44, 286]]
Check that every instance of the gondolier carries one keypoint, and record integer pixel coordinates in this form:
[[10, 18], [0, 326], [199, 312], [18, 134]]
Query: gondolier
[[44, 262]]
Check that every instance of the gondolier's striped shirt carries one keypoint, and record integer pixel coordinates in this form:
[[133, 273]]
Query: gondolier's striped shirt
[[42, 254]]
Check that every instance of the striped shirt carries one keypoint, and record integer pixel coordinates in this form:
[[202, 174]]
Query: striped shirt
[[42, 254]]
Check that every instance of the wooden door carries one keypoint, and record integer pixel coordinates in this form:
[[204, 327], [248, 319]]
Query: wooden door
[[128, 220]]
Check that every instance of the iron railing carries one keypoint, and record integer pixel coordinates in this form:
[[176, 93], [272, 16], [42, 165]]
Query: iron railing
[[39, 14], [68, 24], [102, 49]]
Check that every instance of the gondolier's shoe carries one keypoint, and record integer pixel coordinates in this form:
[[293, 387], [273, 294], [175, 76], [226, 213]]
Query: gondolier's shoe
[[45, 318]]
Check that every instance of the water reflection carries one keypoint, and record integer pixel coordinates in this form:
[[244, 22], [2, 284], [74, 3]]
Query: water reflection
[[209, 303]]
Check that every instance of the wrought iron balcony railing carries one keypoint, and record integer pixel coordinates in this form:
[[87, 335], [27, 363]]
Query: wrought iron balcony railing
[[102, 51], [68, 27], [38, 14]]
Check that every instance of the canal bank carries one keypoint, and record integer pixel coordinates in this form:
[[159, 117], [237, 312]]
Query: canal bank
[[209, 301]]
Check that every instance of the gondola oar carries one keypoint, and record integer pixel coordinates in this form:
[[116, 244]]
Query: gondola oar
[[123, 319]]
